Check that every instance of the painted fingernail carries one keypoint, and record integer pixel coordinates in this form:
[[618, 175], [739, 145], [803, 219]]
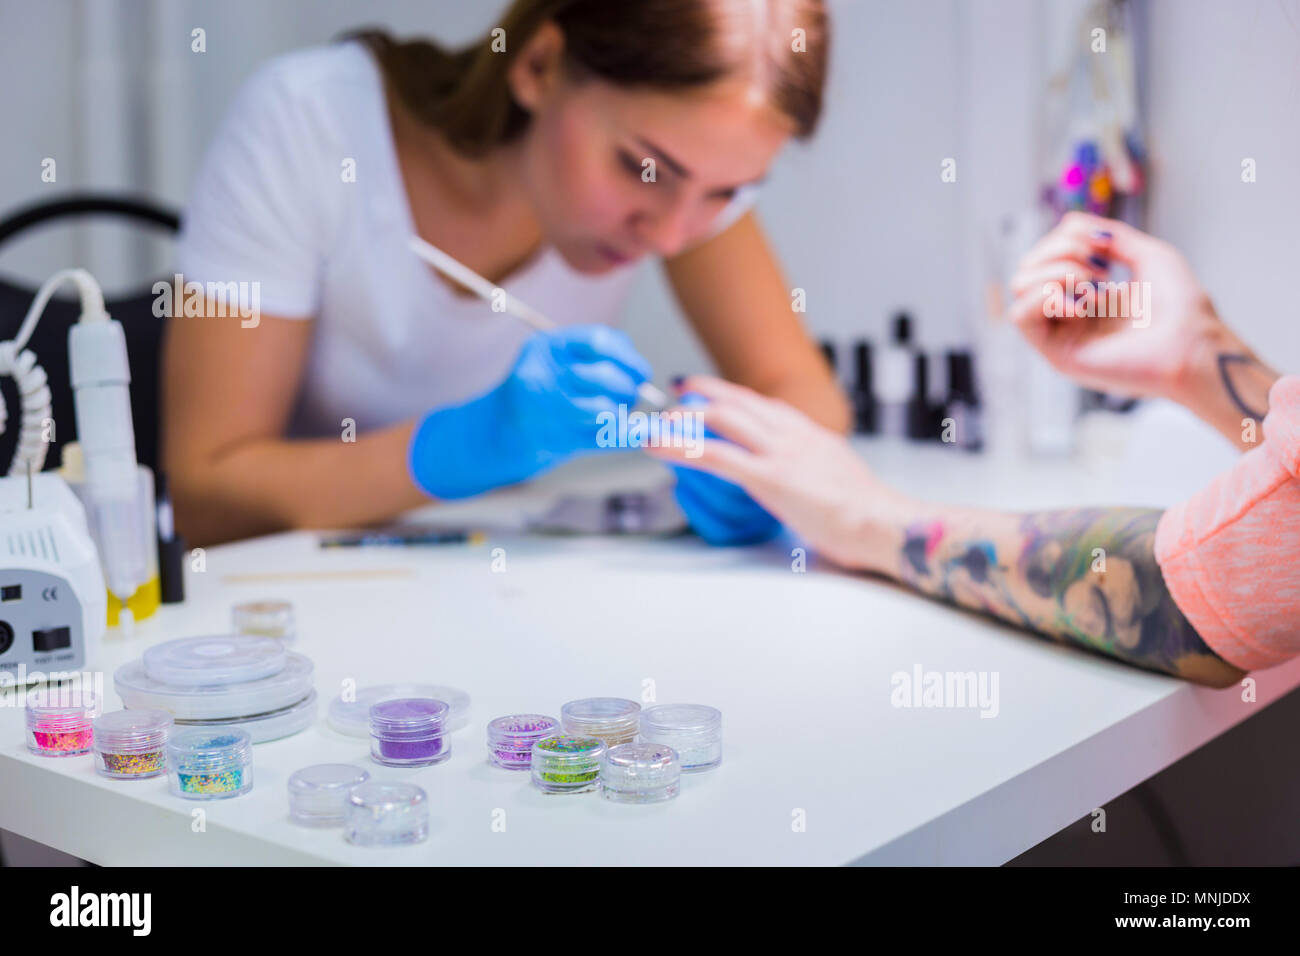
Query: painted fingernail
[[1098, 262], [1102, 234], [678, 381]]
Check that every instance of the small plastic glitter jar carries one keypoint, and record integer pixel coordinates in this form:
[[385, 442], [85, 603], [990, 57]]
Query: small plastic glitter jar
[[132, 743], [386, 814], [265, 619], [318, 795], [510, 739], [409, 732], [612, 719], [640, 773], [567, 764], [693, 730], [202, 765], [59, 727]]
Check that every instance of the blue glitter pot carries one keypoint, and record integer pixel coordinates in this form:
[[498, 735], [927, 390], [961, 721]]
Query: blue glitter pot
[[203, 765]]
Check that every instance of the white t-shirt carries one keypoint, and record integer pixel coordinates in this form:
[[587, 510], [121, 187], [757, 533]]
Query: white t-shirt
[[276, 203]]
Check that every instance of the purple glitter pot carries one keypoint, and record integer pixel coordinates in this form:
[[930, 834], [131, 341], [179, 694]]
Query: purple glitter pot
[[510, 739], [409, 732]]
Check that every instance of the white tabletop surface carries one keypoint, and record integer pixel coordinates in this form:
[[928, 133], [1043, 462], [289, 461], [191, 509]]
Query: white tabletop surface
[[819, 767]]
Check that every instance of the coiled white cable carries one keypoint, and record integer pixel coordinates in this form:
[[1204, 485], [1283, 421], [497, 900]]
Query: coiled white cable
[[34, 398]]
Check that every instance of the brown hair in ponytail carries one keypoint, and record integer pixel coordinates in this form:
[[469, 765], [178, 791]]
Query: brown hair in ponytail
[[652, 44]]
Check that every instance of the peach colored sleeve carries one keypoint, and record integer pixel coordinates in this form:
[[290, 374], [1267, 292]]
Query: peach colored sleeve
[[1231, 554]]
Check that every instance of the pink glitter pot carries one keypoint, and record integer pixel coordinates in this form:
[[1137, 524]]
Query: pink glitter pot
[[510, 739], [58, 731], [409, 732]]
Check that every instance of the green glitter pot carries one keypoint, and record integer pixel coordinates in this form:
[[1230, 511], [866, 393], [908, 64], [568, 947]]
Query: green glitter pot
[[203, 765], [567, 764]]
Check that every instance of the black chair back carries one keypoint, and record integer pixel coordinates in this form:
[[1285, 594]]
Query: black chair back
[[144, 331]]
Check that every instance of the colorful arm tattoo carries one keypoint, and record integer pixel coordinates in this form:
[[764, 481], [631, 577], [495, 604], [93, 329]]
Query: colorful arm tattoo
[[1088, 577]]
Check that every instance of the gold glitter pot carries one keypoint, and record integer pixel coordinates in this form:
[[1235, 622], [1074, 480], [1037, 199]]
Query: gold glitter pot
[[612, 719], [132, 744], [265, 619]]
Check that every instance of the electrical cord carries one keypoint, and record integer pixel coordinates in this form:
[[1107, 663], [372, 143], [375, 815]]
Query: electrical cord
[[19, 363]]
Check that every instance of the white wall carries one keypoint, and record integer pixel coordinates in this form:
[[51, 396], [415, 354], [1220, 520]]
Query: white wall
[[1224, 86], [111, 89]]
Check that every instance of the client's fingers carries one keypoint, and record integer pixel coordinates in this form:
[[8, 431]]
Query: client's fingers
[[1055, 245], [1063, 271], [770, 411], [720, 458]]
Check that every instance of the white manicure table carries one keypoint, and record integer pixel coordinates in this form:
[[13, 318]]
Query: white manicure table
[[819, 767]]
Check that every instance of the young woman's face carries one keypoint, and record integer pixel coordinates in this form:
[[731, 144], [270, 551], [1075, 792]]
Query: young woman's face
[[615, 174]]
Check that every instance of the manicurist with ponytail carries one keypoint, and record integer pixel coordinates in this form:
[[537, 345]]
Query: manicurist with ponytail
[[368, 383]]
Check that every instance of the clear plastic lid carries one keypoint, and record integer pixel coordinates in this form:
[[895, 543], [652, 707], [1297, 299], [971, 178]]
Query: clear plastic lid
[[319, 793], [132, 731], [273, 619], [378, 812], [521, 731], [681, 720], [263, 727], [217, 660], [139, 691], [640, 766], [600, 716], [60, 709], [567, 752], [208, 751], [408, 717], [352, 717]]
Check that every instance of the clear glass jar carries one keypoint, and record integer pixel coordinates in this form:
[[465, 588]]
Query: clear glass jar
[[409, 732], [693, 730], [386, 814], [567, 764], [265, 619], [640, 773], [203, 765], [132, 744], [612, 719], [58, 724], [318, 795], [510, 739]]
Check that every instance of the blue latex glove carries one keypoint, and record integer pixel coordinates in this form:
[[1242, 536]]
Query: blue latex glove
[[720, 512], [545, 412]]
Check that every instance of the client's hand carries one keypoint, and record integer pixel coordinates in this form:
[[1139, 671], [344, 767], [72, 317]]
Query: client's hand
[[1155, 335], [1140, 338], [805, 475]]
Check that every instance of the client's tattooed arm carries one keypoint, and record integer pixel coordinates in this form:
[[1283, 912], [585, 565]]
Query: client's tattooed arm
[[1227, 386], [1088, 577]]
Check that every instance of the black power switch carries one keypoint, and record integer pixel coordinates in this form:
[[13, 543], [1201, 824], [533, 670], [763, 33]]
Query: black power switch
[[52, 639]]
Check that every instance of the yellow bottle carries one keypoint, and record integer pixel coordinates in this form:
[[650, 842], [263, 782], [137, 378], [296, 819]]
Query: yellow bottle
[[148, 596]]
